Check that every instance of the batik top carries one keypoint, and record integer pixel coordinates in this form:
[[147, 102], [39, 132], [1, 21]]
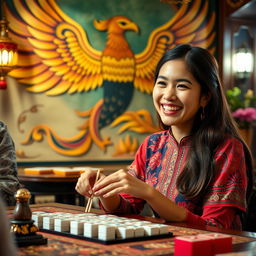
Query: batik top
[[160, 160], [9, 182]]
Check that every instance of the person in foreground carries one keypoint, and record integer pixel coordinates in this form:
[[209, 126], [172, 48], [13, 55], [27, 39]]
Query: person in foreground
[[197, 169], [7, 245], [9, 182]]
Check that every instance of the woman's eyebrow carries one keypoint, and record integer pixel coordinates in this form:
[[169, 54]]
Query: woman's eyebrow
[[183, 80], [177, 80], [162, 77]]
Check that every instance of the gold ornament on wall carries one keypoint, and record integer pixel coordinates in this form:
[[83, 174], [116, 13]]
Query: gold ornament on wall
[[235, 3]]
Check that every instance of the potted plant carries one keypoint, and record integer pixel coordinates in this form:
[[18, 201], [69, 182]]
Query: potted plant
[[243, 110]]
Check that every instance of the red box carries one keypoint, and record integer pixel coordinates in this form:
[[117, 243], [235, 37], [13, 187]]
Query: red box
[[221, 243], [193, 246]]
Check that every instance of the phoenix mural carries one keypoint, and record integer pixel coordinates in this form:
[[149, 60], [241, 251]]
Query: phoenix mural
[[56, 58]]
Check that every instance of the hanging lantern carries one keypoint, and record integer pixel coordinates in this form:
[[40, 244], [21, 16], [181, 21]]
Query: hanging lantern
[[243, 62], [8, 53]]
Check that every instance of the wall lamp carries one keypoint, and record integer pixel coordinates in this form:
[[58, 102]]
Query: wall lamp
[[8, 51], [242, 62]]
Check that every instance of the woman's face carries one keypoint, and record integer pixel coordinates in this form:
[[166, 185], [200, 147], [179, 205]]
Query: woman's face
[[177, 96]]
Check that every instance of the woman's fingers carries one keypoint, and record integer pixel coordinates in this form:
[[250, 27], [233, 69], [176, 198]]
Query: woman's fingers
[[113, 188], [110, 179], [118, 182], [86, 181], [83, 186], [107, 186]]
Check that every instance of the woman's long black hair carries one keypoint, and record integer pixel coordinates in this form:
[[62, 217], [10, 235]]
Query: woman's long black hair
[[210, 132]]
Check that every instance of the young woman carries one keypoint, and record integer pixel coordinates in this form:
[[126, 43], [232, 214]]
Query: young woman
[[197, 170]]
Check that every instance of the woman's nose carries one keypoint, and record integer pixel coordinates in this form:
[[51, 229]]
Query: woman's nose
[[170, 93]]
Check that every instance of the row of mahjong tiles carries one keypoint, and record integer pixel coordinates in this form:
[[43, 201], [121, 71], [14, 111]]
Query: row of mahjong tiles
[[103, 227]]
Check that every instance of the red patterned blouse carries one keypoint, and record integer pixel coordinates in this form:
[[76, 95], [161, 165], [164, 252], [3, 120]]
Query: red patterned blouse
[[160, 160]]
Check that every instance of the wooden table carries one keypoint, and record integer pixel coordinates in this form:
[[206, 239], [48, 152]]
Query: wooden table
[[63, 188], [57, 245]]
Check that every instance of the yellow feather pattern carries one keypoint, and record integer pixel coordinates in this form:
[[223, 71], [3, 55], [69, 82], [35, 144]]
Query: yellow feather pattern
[[59, 89], [206, 44], [50, 10], [29, 18], [56, 47], [184, 27], [37, 79], [60, 70], [44, 86], [25, 61], [140, 122], [194, 24], [42, 45], [52, 62], [71, 76], [27, 72], [206, 30], [126, 147], [41, 35], [38, 12], [118, 70], [61, 45], [23, 44], [15, 25], [46, 54]]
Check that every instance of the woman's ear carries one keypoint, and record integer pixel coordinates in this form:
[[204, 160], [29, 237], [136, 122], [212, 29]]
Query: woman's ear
[[205, 98]]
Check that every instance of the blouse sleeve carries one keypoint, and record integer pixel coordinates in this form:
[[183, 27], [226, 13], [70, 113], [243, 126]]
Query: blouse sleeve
[[130, 204], [226, 197], [221, 217], [230, 183], [9, 182]]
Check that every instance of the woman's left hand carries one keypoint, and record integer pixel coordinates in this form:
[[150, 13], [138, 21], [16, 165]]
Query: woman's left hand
[[121, 182]]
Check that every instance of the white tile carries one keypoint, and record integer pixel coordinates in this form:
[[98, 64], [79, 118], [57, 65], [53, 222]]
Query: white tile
[[125, 232], [91, 230]]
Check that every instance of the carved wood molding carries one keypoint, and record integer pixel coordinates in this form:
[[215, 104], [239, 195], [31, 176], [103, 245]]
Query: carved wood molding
[[236, 3]]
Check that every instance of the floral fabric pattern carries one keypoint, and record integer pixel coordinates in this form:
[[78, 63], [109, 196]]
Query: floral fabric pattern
[[160, 160]]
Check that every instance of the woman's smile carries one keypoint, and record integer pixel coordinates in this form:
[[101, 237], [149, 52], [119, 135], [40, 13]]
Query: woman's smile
[[170, 109]]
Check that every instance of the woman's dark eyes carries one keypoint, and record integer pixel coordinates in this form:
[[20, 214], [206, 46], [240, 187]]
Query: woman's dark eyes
[[161, 83], [182, 85]]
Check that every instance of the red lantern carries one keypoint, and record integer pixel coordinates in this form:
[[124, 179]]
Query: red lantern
[[8, 53]]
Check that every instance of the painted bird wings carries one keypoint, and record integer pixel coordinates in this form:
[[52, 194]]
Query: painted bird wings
[[54, 52], [55, 55], [188, 26]]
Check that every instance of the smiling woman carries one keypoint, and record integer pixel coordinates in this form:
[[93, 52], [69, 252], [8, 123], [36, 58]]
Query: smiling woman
[[177, 97], [197, 170]]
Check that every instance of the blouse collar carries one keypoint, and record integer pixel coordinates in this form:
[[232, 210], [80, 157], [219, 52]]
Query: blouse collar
[[185, 141]]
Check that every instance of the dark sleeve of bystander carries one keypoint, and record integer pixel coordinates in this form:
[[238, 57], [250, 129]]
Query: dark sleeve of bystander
[[7, 245], [9, 182]]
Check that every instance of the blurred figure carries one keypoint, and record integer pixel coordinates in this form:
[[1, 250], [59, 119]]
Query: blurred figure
[[7, 245], [9, 182]]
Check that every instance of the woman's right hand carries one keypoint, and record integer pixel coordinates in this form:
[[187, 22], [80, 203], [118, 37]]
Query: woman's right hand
[[86, 182]]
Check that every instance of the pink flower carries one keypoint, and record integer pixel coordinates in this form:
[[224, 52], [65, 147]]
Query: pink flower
[[245, 114]]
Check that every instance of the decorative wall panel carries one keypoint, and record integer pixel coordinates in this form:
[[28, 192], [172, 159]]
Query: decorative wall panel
[[82, 88]]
